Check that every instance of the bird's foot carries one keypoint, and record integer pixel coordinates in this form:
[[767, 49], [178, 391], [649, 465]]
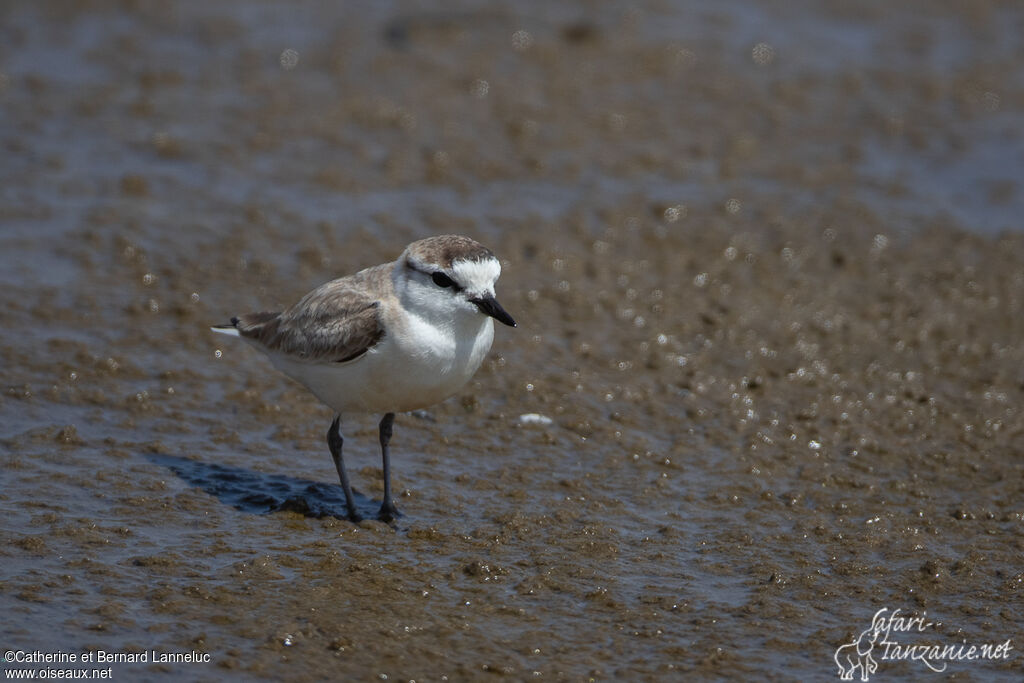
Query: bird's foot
[[388, 512]]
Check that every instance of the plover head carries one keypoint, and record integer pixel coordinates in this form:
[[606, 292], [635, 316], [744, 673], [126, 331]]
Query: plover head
[[451, 274]]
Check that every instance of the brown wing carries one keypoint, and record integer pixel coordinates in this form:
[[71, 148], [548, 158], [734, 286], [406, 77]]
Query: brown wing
[[334, 323]]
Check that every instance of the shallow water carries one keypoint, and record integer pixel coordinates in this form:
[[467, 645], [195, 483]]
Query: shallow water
[[767, 266]]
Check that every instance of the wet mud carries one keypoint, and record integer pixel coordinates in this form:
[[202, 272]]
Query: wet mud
[[768, 272]]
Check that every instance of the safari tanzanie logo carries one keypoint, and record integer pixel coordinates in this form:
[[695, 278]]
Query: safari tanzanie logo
[[894, 637]]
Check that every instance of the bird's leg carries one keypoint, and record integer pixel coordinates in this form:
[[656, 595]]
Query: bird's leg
[[334, 442], [388, 511]]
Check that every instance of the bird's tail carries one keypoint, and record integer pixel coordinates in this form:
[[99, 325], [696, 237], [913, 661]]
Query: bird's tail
[[231, 329]]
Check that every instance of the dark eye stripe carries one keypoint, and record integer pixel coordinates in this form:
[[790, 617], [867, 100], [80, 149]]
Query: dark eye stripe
[[442, 280]]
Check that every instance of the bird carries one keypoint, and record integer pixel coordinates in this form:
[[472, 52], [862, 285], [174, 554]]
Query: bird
[[392, 338]]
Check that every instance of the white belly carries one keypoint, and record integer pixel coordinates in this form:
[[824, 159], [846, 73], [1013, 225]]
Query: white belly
[[409, 369]]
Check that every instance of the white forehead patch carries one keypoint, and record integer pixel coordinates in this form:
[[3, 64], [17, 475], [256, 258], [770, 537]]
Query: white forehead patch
[[475, 276]]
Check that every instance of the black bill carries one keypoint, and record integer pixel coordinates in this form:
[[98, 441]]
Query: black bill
[[490, 306]]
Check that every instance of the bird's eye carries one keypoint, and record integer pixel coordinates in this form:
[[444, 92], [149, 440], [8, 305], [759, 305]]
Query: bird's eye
[[442, 280]]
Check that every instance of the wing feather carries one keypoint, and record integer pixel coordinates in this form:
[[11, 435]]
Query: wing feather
[[337, 322]]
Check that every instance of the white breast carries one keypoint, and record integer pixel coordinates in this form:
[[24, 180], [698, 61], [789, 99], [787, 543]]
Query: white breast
[[416, 365]]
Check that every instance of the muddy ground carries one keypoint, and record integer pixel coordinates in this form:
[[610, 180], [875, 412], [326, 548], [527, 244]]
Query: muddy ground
[[768, 268]]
